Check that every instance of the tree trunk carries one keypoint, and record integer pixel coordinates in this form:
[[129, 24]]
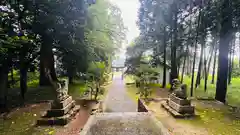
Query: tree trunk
[[46, 64], [189, 66], [23, 81], [225, 39], [97, 90], [164, 60], [193, 69], [231, 62], [70, 75], [12, 76], [184, 62], [174, 73], [3, 85], [178, 67], [208, 66], [205, 72], [187, 49], [198, 79], [214, 64], [239, 49], [230, 65], [195, 53]]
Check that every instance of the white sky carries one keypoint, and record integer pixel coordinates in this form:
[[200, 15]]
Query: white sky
[[129, 10]]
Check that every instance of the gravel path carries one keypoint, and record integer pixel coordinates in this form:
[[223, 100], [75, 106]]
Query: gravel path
[[117, 99]]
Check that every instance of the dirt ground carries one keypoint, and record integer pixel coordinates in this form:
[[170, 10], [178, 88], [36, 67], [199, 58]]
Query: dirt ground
[[174, 127], [213, 118], [22, 121], [75, 126]]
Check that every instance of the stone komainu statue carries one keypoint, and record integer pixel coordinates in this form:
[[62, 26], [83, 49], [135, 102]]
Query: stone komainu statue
[[179, 90], [62, 89]]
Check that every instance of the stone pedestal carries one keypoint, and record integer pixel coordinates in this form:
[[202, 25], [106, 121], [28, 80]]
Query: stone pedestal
[[62, 110], [60, 113], [179, 107]]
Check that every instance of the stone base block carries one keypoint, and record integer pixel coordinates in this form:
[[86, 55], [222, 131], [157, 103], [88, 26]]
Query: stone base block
[[63, 120], [174, 113], [179, 101], [181, 109], [59, 112]]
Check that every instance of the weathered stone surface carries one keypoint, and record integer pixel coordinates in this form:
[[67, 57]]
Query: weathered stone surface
[[62, 108], [62, 104], [174, 113], [181, 109], [62, 120], [60, 112], [179, 101], [123, 124]]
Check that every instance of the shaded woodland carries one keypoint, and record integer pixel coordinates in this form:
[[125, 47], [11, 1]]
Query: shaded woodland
[[198, 39], [43, 41]]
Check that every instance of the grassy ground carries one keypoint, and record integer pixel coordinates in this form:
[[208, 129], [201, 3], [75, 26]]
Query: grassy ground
[[233, 94], [21, 119], [215, 118]]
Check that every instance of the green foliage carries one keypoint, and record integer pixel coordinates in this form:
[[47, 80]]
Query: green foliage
[[235, 70], [79, 34], [77, 89], [96, 70]]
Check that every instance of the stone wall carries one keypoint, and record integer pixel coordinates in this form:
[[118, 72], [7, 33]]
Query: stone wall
[[141, 106]]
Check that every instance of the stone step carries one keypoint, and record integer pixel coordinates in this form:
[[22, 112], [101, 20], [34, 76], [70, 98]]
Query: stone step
[[60, 121], [134, 123], [59, 112]]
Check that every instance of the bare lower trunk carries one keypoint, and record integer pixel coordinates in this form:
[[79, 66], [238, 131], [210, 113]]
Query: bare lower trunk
[[198, 79], [231, 62], [183, 68], [193, 69], [239, 50], [208, 67], [174, 73], [214, 65], [46, 64], [12, 76], [189, 67], [3, 85], [70, 75], [97, 90], [23, 81], [225, 39], [164, 61], [195, 53], [229, 68]]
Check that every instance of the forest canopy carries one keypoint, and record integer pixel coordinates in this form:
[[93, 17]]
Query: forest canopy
[[56, 39]]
